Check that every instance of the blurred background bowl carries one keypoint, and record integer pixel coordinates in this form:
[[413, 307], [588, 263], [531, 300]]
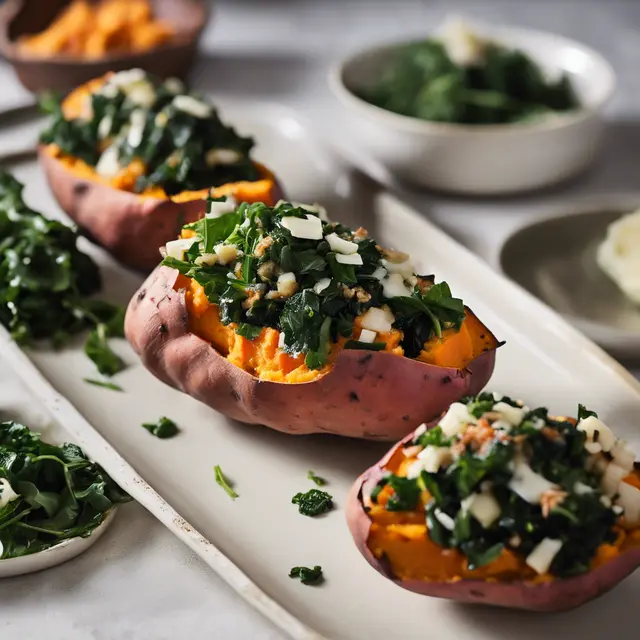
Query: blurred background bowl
[[59, 72], [484, 159]]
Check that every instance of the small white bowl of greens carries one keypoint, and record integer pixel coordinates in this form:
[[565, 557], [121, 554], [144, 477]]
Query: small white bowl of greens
[[478, 110], [54, 502]]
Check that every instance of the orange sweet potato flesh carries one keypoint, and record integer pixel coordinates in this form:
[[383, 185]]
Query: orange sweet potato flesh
[[397, 545], [362, 394], [133, 226], [92, 30]]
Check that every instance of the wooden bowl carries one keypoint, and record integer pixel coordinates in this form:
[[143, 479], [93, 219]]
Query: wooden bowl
[[61, 73]]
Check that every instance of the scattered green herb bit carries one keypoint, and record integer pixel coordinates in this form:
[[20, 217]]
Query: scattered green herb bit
[[504, 85], [224, 483], [583, 413], [310, 318], [307, 575], [180, 149], [552, 448], [321, 482], [45, 282], [49, 493], [104, 383], [313, 503], [163, 429]]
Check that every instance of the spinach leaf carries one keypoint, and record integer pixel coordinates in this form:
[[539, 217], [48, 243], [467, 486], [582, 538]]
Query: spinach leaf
[[307, 575], [61, 493], [98, 349], [406, 493], [163, 428], [248, 331], [313, 503], [104, 383]]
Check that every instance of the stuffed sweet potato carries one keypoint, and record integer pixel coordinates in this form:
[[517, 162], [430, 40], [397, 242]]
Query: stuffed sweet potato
[[131, 159], [277, 317], [502, 505]]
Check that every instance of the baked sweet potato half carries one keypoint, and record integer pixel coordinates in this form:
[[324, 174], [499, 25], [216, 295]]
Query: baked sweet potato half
[[275, 316], [131, 159], [502, 505]]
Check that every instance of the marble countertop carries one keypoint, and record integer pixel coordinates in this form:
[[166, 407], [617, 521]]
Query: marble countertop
[[280, 51]]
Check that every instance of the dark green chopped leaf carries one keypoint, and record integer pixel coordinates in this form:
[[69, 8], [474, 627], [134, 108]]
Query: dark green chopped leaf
[[479, 558], [313, 503], [104, 383], [321, 482], [248, 331], [434, 437], [365, 346], [406, 493], [307, 575], [583, 413], [163, 428], [224, 483], [62, 494], [98, 349]]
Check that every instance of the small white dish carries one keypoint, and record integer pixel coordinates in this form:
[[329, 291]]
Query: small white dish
[[54, 555], [484, 159], [554, 258]]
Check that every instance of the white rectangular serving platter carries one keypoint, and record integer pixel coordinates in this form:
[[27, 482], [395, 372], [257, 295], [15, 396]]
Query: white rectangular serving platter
[[253, 541]]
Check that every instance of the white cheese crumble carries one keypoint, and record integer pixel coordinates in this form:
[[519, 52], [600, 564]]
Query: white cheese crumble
[[104, 126], [462, 44], [287, 284], [629, 500], [281, 340], [177, 248], [367, 336], [215, 157], [542, 556], [528, 484], [339, 245], [138, 120], [580, 488], [193, 107], [377, 319], [108, 165], [380, 273], [612, 478], [622, 455], [513, 415], [174, 86], [217, 209], [206, 259], [309, 228], [353, 258], [483, 507], [7, 494], [393, 286], [432, 458], [456, 418], [444, 519], [127, 78], [226, 253], [321, 285]]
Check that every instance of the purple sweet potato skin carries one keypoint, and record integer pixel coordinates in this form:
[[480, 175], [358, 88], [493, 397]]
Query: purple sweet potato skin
[[558, 595], [368, 395], [131, 228]]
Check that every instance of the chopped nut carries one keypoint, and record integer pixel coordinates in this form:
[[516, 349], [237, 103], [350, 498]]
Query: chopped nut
[[550, 500], [263, 245], [550, 433], [358, 292], [424, 284], [397, 257], [266, 270], [360, 233], [253, 295]]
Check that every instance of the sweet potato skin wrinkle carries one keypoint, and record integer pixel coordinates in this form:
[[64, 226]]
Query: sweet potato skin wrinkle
[[395, 545], [373, 395]]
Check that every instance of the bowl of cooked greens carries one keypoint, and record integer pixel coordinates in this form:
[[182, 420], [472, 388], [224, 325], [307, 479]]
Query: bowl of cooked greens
[[486, 111]]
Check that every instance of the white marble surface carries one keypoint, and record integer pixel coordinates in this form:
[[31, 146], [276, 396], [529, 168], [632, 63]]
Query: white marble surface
[[281, 50]]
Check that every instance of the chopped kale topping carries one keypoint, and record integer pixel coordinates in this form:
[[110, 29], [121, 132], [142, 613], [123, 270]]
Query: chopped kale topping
[[261, 274], [313, 503], [484, 459], [180, 139], [321, 482], [224, 483]]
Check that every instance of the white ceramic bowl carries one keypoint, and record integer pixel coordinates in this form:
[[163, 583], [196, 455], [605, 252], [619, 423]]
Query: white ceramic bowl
[[484, 159]]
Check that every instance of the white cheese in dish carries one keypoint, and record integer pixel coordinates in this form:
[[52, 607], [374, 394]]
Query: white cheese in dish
[[622, 455], [7, 494], [483, 507], [193, 107], [208, 259], [108, 165], [376, 319], [432, 458], [612, 478], [619, 254], [281, 340], [309, 228], [174, 86], [444, 519], [528, 484], [404, 268], [138, 120], [367, 336], [542, 556], [456, 418], [142, 94], [629, 500], [176, 248], [597, 431], [513, 415], [462, 44], [339, 245]]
